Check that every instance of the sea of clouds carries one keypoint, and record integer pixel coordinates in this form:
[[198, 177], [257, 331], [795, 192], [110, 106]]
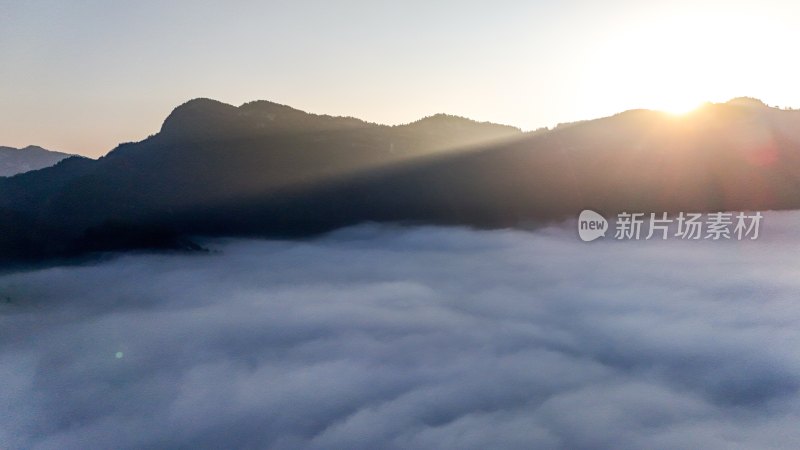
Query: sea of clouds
[[411, 338]]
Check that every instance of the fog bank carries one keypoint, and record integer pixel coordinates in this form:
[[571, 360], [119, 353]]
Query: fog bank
[[391, 337]]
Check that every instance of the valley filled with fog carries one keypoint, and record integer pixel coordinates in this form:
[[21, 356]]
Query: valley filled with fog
[[410, 337]]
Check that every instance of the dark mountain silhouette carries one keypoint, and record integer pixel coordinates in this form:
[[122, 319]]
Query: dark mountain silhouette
[[207, 153], [19, 160], [264, 169]]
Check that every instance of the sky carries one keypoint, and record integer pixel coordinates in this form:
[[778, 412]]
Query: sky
[[411, 337], [82, 76]]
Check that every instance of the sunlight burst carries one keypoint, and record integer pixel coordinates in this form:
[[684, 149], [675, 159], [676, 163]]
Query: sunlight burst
[[681, 61]]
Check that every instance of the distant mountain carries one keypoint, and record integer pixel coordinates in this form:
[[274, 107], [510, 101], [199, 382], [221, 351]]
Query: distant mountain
[[20, 160], [264, 169]]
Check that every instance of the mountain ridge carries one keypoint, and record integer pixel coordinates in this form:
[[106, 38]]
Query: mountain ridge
[[14, 161], [265, 169]]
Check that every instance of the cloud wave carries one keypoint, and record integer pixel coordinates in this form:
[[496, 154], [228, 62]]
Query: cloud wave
[[391, 337]]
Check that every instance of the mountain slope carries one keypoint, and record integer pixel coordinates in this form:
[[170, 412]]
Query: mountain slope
[[722, 157], [19, 160], [208, 153], [264, 169]]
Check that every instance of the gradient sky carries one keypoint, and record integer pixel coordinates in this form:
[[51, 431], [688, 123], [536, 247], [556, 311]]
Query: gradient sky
[[81, 76]]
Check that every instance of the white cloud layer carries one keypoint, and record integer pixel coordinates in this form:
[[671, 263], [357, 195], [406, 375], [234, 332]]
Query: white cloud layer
[[397, 338]]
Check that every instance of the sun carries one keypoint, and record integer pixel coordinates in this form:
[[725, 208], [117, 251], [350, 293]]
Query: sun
[[678, 62]]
